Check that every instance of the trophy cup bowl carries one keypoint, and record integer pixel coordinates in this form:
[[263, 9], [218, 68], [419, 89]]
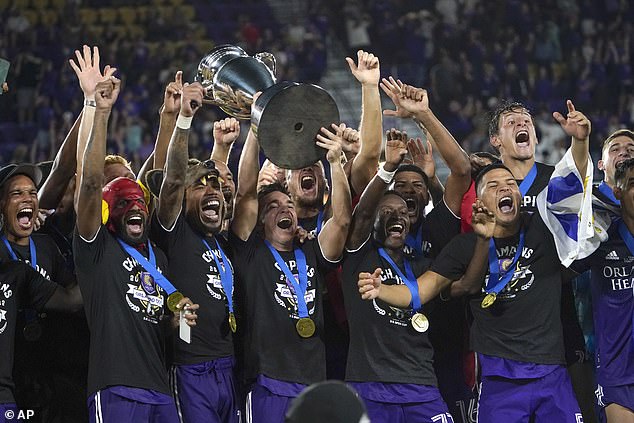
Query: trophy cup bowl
[[287, 116]]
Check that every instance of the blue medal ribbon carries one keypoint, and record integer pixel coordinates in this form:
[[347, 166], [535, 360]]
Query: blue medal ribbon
[[14, 257], [629, 241], [607, 191], [320, 221], [527, 183], [149, 265], [299, 287], [496, 284], [30, 315], [409, 280], [416, 244], [226, 275]]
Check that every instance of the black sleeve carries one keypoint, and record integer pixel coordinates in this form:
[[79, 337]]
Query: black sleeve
[[164, 238], [322, 262], [443, 227], [242, 250], [62, 274], [453, 260], [35, 289]]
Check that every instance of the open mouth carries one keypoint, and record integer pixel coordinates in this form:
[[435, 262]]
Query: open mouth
[[521, 138], [135, 225], [284, 223], [412, 205], [25, 217], [395, 228], [505, 204], [307, 182], [211, 210]]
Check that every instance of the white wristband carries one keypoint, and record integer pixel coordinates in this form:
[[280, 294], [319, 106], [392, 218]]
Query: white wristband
[[184, 122], [385, 175]]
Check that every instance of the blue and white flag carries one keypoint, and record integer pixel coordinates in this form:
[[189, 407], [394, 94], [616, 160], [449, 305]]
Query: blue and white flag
[[565, 205]]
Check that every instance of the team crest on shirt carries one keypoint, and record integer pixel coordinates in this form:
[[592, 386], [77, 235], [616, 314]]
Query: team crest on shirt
[[523, 276], [397, 316], [144, 295], [214, 283], [285, 295], [5, 294]]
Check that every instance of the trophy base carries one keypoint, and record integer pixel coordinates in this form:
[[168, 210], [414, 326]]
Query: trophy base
[[287, 117]]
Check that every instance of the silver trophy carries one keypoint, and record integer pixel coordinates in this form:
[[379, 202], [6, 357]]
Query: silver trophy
[[286, 117]]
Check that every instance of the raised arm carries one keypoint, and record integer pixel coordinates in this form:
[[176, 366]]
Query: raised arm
[[226, 132], [425, 160], [429, 286], [483, 223], [245, 209], [91, 178], [64, 166], [416, 101], [332, 237], [578, 126], [363, 216], [89, 75], [173, 187], [364, 164], [167, 121]]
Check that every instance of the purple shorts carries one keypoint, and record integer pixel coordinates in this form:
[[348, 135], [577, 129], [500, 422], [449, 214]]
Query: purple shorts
[[622, 395], [547, 399], [123, 404], [269, 399], [403, 403], [205, 392]]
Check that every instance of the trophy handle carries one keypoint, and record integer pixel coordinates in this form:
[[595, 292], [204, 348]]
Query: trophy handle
[[268, 59]]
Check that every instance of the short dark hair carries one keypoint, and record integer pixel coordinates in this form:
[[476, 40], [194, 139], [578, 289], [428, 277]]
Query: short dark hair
[[505, 106], [618, 133], [409, 167], [487, 169], [394, 192], [621, 170], [274, 187]]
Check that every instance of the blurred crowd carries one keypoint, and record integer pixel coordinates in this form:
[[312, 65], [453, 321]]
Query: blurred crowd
[[470, 54]]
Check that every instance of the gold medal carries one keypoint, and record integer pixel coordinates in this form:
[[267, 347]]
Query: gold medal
[[173, 299], [232, 322], [489, 300], [305, 327], [420, 323]]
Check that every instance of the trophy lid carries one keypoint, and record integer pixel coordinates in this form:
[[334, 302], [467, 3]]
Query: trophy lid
[[287, 118]]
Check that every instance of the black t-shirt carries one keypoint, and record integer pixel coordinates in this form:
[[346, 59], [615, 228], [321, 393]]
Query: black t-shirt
[[20, 286], [529, 201], [193, 271], [123, 311], [49, 261], [268, 312], [310, 223], [438, 228], [384, 347], [524, 323]]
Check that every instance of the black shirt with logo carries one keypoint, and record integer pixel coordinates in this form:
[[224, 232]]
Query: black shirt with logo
[[20, 286], [269, 313], [384, 347], [123, 309], [193, 271], [524, 323]]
